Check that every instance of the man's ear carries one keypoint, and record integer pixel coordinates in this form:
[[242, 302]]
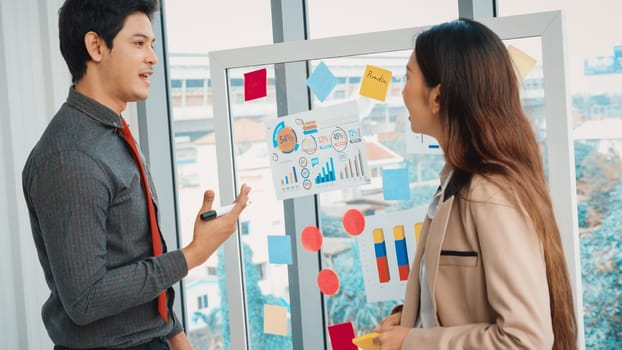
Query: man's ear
[[435, 98], [94, 46]]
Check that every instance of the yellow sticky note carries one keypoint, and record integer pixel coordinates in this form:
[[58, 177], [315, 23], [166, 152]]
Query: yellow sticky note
[[275, 320], [366, 341], [523, 63], [375, 83]]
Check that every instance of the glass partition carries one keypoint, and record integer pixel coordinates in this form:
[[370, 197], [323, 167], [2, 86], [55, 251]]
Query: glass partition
[[537, 38], [595, 90], [265, 283], [206, 303]]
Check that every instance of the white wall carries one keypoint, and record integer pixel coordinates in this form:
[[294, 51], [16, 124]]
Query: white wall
[[33, 84]]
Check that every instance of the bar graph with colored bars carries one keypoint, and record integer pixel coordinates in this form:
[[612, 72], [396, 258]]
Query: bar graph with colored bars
[[380, 250], [401, 252], [353, 168], [290, 179], [327, 174]]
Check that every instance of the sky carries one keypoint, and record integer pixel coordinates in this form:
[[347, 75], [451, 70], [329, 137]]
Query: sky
[[200, 26]]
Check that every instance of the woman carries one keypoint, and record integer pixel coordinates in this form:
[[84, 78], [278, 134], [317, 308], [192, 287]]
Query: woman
[[489, 271]]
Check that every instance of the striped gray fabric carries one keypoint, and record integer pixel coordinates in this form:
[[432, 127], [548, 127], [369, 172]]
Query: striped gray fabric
[[91, 229]]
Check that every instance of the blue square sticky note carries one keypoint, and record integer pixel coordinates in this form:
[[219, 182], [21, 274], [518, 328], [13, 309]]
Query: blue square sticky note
[[322, 81], [395, 185], [279, 249]]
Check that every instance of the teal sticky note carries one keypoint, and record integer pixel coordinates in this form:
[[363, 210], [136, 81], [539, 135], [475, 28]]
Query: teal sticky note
[[395, 185], [279, 249], [322, 81]]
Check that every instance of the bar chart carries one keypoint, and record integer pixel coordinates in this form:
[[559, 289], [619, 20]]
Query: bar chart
[[387, 249], [327, 174], [290, 179], [353, 168]]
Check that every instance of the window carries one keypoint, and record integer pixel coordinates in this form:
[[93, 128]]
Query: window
[[595, 85], [203, 302], [380, 126], [196, 27], [245, 227], [197, 163], [381, 123], [333, 18], [264, 217]]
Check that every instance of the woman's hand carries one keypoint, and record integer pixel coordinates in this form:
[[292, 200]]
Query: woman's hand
[[388, 322], [390, 334], [391, 337]]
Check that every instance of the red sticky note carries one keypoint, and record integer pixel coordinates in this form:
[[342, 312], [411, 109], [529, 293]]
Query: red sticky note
[[255, 84], [311, 238], [341, 336], [328, 281], [353, 222]]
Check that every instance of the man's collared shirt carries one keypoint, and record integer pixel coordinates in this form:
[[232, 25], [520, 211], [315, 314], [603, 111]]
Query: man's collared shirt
[[91, 229]]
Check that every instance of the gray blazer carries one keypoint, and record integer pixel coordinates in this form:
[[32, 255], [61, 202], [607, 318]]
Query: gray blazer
[[485, 268]]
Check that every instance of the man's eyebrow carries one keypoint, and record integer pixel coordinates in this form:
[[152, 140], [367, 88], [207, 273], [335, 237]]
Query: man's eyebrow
[[144, 36]]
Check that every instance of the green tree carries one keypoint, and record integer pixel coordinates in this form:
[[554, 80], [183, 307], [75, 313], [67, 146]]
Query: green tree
[[218, 319], [602, 171], [581, 152], [601, 255], [216, 334], [331, 225]]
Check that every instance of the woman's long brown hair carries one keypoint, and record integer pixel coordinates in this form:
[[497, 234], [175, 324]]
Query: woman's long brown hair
[[486, 132]]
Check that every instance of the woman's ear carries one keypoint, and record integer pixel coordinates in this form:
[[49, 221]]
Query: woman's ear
[[94, 46], [435, 99]]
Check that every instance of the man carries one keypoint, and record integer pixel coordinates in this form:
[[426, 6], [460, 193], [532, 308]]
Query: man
[[91, 220]]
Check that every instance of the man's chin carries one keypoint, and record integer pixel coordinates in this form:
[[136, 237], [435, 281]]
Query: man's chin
[[140, 97]]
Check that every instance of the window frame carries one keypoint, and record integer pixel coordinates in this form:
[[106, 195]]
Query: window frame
[[546, 25]]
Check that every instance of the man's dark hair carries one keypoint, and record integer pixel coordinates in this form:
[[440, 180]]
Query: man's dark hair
[[104, 17]]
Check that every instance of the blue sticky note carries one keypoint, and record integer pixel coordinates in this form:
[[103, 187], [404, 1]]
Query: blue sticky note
[[279, 249], [322, 82], [395, 184]]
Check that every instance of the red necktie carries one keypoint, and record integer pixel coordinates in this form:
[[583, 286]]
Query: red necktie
[[153, 223]]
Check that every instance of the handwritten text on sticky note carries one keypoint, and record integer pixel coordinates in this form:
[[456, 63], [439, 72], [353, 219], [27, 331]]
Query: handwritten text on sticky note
[[375, 83]]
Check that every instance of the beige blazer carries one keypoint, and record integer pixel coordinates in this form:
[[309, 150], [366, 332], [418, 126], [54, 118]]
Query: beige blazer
[[486, 273]]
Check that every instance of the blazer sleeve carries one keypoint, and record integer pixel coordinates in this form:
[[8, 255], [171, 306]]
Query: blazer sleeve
[[515, 278]]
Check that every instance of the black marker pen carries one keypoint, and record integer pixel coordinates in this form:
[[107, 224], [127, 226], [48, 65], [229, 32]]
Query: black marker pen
[[209, 215]]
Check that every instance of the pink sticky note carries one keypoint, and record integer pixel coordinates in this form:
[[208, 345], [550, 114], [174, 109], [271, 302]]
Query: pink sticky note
[[353, 222], [255, 84], [328, 281], [341, 336], [311, 238]]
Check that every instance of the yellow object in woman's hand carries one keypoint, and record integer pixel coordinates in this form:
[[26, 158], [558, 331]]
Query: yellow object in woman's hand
[[366, 341]]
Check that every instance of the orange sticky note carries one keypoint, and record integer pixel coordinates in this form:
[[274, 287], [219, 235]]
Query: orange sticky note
[[275, 320], [375, 83], [366, 341]]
